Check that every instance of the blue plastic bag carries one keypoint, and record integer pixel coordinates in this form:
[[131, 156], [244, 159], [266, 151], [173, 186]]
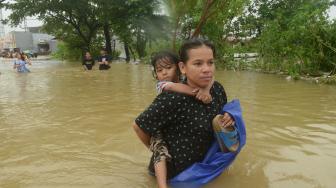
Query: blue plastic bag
[[215, 161]]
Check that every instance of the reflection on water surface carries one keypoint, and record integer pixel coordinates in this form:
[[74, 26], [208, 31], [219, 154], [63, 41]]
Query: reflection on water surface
[[63, 127]]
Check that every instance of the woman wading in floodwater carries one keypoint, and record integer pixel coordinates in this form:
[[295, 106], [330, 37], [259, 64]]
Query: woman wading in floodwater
[[184, 121]]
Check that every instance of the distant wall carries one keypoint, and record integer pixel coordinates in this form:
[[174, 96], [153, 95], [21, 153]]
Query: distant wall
[[27, 40], [23, 40], [53, 45]]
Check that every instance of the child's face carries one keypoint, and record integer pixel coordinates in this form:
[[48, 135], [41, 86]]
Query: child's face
[[166, 71]]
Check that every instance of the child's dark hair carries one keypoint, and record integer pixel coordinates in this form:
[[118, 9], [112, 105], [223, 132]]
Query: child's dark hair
[[22, 56], [192, 44], [164, 58]]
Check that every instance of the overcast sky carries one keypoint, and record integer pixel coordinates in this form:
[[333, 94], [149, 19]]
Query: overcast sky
[[31, 22]]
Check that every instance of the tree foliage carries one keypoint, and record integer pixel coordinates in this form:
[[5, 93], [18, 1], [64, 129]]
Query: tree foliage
[[205, 18], [291, 35], [86, 23], [296, 36]]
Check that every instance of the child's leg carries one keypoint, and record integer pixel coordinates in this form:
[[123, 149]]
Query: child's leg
[[161, 155], [161, 173]]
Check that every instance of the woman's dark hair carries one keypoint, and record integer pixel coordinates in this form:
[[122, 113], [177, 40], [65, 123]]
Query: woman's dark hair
[[193, 44]]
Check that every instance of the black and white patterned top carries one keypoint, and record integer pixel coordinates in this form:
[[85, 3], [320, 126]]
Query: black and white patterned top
[[185, 123]]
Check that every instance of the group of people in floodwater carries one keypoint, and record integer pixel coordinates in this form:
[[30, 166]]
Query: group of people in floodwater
[[103, 60], [21, 61]]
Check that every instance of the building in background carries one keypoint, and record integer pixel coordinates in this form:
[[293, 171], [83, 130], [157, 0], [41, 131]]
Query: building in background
[[18, 39], [42, 43], [31, 40]]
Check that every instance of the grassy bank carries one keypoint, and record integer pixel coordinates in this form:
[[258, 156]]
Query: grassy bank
[[288, 70]]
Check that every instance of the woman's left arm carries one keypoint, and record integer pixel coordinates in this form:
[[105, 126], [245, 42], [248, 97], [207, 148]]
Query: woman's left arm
[[227, 119]]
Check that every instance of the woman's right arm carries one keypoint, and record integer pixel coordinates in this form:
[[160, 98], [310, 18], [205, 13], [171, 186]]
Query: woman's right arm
[[145, 138], [156, 117]]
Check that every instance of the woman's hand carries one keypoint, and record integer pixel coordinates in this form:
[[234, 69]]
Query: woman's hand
[[226, 120]]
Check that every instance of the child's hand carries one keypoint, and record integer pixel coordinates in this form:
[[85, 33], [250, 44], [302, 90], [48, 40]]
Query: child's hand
[[195, 91], [204, 96], [204, 93]]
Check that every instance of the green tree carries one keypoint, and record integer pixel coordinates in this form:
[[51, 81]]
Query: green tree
[[293, 36], [297, 36], [135, 23], [87, 23], [202, 17], [177, 11], [61, 18]]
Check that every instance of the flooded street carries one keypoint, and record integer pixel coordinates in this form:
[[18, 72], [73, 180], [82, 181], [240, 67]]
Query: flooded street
[[63, 127]]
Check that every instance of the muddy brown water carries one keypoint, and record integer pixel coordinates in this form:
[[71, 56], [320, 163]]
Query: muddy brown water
[[63, 127]]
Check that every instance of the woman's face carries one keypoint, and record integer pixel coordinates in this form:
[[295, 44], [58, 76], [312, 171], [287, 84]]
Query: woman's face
[[200, 67], [87, 54]]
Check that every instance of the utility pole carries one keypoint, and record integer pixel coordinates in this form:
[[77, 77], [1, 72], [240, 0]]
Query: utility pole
[[2, 28], [25, 24]]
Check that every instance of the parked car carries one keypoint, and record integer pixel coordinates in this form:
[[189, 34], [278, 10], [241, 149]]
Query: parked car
[[7, 53], [4, 52], [16, 50], [30, 53]]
